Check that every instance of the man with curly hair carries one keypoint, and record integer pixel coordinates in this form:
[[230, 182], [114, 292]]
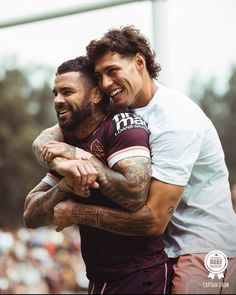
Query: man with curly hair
[[189, 190]]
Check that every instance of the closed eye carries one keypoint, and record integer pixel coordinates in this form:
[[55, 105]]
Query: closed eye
[[67, 93]]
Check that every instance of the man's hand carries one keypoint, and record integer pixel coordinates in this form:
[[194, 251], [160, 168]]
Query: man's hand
[[79, 173], [67, 185], [55, 148], [63, 215]]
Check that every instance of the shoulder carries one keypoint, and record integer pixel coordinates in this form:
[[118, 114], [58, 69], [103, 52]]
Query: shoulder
[[126, 120]]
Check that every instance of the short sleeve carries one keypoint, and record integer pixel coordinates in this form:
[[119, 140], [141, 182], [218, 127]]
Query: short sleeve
[[52, 178], [174, 154], [128, 136]]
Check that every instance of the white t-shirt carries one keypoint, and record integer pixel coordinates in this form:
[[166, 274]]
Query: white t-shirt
[[186, 151]]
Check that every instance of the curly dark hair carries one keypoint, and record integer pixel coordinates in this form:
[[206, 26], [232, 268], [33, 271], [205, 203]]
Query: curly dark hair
[[83, 65], [126, 41]]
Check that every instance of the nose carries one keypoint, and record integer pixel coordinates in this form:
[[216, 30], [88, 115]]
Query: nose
[[59, 101], [105, 82]]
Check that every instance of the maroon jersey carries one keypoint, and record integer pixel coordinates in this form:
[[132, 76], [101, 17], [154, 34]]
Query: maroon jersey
[[109, 256]]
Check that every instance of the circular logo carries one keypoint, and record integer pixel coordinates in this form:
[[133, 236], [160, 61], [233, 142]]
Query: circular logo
[[216, 262]]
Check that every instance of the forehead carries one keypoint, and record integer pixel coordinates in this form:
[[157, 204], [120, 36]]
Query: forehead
[[70, 79], [107, 60]]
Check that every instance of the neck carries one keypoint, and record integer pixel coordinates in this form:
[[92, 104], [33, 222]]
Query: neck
[[89, 125], [149, 90], [146, 93]]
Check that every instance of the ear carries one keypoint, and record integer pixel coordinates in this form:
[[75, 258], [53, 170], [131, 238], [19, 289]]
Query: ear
[[97, 95], [140, 61]]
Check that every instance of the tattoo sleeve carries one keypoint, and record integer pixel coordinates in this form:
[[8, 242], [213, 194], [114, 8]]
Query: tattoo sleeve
[[127, 183], [52, 133], [39, 205], [139, 223]]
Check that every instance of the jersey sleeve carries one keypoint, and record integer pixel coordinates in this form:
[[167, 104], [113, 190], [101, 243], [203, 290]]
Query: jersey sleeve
[[128, 136], [52, 178]]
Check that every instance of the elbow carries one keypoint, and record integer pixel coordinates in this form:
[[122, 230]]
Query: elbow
[[36, 146], [28, 220], [33, 221], [156, 230], [28, 215], [152, 227], [33, 218], [158, 226]]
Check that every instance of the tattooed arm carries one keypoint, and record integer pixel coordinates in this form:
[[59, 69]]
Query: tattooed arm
[[49, 145], [40, 203], [151, 219], [52, 133], [126, 184], [51, 151]]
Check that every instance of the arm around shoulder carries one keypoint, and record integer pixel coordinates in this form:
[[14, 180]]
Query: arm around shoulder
[[162, 201], [52, 133], [150, 220]]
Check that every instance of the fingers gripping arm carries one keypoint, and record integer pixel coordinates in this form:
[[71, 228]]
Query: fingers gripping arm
[[126, 183], [49, 134]]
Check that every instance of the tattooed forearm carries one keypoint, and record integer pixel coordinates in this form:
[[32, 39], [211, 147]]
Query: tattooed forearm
[[39, 206], [85, 214], [53, 133], [127, 183], [138, 223], [69, 152]]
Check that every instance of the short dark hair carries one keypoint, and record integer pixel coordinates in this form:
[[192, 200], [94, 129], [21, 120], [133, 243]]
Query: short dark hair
[[126, 41], [79, 64], [83, 65]]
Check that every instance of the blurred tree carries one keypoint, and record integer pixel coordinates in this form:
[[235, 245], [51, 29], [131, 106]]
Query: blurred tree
[[221, 109], [24, 112]]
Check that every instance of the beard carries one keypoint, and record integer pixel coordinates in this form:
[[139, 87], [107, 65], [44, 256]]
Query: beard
[[77, 117]]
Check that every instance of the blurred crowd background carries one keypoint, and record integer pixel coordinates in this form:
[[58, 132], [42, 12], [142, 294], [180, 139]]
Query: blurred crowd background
[[41, 261]]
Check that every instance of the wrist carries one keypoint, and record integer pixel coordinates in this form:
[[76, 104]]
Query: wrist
[[63, 187], [81, 154]]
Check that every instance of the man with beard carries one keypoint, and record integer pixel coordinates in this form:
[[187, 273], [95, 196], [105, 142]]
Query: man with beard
[[116, 263], [189, 174]]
